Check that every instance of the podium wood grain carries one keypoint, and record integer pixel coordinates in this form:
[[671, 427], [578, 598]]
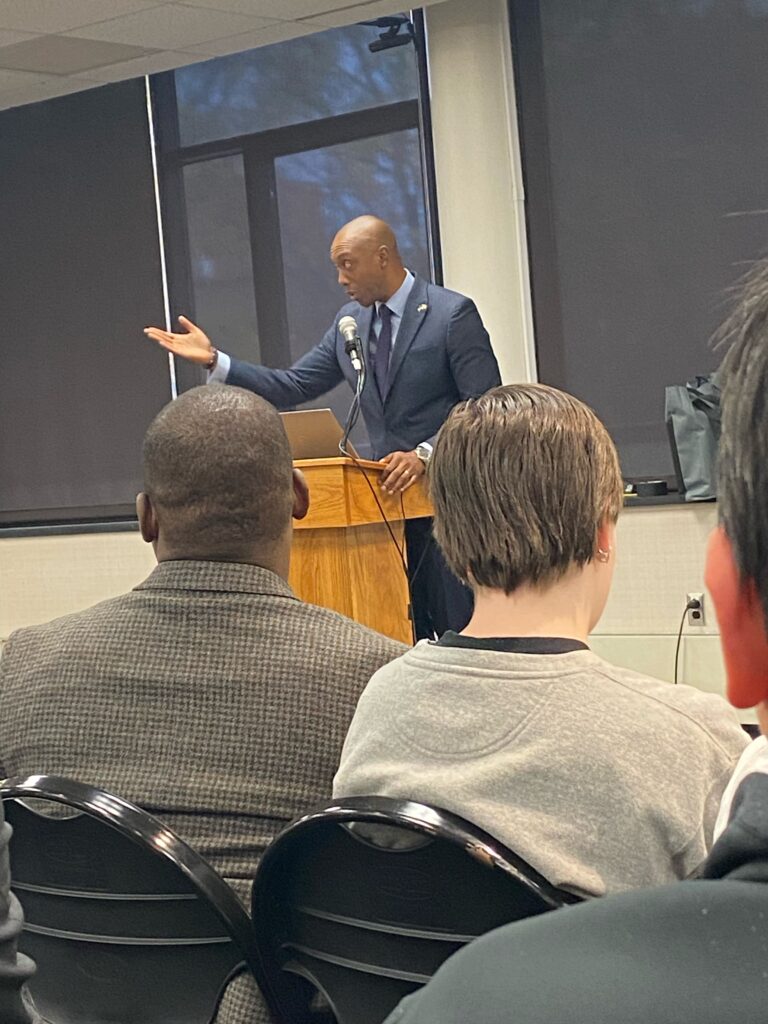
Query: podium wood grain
[[343, 555]]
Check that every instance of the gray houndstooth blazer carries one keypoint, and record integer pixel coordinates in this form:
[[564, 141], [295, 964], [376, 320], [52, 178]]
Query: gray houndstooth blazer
[[209, 695]]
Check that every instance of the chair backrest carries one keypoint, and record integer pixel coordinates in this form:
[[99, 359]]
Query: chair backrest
[[125, 921], [337, 912]]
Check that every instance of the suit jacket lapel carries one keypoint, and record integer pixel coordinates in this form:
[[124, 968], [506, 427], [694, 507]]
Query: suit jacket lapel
[[413, 317]]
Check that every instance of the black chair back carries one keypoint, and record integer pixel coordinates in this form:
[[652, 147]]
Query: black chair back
[[126, 923], [338, 913]]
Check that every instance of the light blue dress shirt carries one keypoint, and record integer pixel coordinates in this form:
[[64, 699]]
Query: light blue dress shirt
[[396, 305]]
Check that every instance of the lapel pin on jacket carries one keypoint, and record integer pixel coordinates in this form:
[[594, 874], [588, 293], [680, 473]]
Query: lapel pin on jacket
[[422, 308]]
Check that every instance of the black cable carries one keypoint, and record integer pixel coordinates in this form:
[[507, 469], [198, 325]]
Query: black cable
[[398, 548], [424, 550], [352, 417], [354, 412], [691, 606]]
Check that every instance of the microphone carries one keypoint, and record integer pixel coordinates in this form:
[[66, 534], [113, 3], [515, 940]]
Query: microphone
[[352, 344], [354, 349]]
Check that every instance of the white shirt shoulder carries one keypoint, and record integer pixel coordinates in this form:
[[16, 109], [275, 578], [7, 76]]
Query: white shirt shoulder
[[754, 759]]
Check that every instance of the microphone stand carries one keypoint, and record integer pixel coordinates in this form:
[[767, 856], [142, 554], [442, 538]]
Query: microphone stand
[[353, 348]]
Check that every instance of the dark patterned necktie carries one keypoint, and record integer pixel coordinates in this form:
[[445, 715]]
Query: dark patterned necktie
[[383, 350]]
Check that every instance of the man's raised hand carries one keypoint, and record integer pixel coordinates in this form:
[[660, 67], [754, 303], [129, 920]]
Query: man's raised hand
[[194, 345]]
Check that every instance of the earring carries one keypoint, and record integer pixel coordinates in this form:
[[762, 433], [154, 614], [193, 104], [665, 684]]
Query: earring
[[603, 556]]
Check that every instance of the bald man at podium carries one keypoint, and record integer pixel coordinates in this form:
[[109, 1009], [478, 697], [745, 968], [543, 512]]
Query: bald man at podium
[[426, 349]]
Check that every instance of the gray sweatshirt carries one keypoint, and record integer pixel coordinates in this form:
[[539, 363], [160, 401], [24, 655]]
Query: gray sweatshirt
[[602, 779]]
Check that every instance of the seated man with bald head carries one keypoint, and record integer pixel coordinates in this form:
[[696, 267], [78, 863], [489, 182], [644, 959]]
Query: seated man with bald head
[[426, 349], [209, 695]]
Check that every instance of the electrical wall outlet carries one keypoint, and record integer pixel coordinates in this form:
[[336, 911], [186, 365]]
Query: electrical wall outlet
[[696, 615]]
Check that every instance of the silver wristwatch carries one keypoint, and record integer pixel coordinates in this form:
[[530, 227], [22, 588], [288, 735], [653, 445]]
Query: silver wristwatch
[[424, 452]]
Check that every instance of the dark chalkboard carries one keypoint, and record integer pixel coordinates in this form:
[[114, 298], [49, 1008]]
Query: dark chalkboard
[[645, 145], [80, 278]]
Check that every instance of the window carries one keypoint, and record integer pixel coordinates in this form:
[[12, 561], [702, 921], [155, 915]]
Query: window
[[645, 149], [262, 165], [306, 79]]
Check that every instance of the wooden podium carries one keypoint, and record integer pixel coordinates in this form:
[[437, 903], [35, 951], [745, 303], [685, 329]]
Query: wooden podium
[[343, 555]]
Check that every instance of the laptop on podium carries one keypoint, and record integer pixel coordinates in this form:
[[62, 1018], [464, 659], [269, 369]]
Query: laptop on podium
[[314, 434]]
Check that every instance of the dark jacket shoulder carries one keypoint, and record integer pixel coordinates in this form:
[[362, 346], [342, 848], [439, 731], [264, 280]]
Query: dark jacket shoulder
[[741, 851]]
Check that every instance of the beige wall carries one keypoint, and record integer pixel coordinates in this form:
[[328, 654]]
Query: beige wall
[[478, 173], [44, 577], [660, 559]]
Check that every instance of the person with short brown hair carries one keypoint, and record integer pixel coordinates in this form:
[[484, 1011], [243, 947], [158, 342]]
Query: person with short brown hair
[[602, 779], [537, 468]]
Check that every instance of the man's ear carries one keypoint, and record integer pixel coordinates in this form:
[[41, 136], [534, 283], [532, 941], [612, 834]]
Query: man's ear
[[742, 624], [147, 518], [300, 495]]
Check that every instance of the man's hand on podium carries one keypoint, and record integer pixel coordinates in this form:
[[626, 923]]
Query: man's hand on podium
[[194, 345], [402, 470]]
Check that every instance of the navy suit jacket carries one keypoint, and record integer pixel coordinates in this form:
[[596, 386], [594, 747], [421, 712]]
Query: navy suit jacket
[[442, 355]]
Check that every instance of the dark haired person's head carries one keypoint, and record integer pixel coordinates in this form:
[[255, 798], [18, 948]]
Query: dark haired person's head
[[219, 481], [737, 558], [527, 489]]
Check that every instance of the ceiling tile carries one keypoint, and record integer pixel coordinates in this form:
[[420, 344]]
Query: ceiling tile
[[286, 10], [18, 79], [8, 37], [65, 55], [46, 89], [49, 16], [350, 13], [172, 26], [162, 34], [150, 65], [277, 33]]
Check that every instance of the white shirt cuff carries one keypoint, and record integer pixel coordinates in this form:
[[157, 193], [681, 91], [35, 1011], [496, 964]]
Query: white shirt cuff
[[220, 372]]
